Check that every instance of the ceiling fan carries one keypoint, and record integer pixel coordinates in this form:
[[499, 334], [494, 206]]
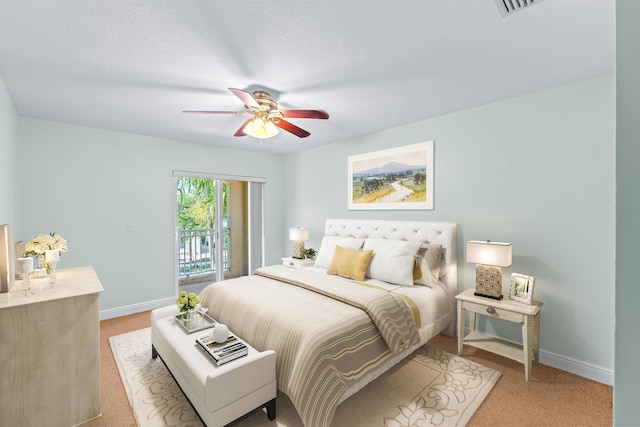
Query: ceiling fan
[[266, 118]]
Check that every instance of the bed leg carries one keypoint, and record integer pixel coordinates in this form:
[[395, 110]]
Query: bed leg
[[271, 409], [154, 352]]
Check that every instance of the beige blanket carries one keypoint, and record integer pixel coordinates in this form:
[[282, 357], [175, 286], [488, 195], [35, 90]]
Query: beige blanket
[[327, 332]]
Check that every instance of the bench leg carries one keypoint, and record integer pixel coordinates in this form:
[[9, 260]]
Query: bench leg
[[154, 352], [271, 412], [271, 409]]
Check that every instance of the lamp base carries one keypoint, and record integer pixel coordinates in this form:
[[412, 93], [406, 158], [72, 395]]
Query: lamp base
[[488, 296], [488, 281], [298, 249]]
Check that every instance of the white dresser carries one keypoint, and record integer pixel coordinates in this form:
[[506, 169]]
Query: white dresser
[[50, 351]]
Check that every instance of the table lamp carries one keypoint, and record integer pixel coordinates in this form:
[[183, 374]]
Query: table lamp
[[490, 257], [298, 236]]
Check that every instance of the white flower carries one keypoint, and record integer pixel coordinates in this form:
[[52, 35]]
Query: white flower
[[59, 244], [44, 242], [34, 247]]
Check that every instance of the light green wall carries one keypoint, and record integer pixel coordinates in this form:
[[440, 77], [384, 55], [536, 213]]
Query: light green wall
[[8, 143], [627, 336], [87, 184], [537, 171]]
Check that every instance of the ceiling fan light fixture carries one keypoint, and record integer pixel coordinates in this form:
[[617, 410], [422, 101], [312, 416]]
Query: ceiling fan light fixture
[[265, 117], [261, 129]]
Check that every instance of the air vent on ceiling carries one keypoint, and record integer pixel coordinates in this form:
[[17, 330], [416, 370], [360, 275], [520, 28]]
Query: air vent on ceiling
[[507, 7]]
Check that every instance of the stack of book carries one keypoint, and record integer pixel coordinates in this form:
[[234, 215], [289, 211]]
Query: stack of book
[[222, 353]]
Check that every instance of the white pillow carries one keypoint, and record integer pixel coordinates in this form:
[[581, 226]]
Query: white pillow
[[328, 245], [392, 260], [428, 259]]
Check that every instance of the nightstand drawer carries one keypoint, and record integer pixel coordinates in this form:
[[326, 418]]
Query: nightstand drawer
[[493, 311], [297, 263]]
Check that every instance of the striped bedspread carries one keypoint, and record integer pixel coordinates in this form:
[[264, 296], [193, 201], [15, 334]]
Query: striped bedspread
[[327, 332]]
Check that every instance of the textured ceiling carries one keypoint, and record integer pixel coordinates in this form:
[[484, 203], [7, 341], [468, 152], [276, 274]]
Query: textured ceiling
[[133, 66]]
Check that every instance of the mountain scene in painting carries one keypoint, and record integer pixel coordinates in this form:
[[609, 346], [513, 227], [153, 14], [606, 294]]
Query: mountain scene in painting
[[390, 182]]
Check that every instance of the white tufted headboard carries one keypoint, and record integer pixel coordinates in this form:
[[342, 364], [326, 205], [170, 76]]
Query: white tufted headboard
[[438, 233]]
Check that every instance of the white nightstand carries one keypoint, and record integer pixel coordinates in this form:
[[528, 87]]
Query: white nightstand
[[527, 315], [297, 263]]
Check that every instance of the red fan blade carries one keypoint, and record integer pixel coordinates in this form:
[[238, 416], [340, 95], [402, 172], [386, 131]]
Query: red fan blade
[[305, 114], [290, 127], [245, 97], [240, 132], [210, 112]]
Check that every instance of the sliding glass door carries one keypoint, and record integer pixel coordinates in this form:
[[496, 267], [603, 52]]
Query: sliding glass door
[[218, 228]]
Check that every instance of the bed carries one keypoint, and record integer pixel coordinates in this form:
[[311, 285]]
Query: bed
[[335, 327]]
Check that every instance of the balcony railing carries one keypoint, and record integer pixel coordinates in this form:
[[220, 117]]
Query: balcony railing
[[197, 254]]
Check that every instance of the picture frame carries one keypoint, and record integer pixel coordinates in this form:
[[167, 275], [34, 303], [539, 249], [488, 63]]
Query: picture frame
[[7, 259], [398, 178], [521, 288]]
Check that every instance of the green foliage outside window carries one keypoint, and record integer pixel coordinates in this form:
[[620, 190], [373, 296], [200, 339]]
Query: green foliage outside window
[[197, 202]]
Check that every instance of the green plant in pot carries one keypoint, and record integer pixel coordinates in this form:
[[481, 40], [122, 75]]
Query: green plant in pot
[[309, 253]]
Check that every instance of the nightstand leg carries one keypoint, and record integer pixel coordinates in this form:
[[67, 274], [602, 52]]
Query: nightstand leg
[[527, 344], [461, 321], [472, 321]]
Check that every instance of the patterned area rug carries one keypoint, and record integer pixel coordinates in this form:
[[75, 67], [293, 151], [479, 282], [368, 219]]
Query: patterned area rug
[[429, 388]]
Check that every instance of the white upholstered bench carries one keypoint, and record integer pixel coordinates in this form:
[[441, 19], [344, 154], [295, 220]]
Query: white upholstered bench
[[219, 394]]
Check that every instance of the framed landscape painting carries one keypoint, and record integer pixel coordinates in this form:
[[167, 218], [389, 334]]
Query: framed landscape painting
[[397, 178]]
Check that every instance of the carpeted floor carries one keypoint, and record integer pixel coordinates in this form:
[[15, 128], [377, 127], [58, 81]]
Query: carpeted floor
[[552, 397], [430, 388]]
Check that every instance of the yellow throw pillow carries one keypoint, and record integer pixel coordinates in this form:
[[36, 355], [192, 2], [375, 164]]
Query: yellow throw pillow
[[417, 271], [349, 263]]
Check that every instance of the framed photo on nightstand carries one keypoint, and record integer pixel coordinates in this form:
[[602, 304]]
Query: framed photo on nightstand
[[521, 288]]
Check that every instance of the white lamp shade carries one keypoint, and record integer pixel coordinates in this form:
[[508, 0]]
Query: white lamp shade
[[489, 253], [298, 234]]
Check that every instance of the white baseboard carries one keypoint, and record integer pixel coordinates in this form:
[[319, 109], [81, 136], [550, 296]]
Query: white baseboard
[[558, 361], [136, 308], [578, 367], [574, 366]]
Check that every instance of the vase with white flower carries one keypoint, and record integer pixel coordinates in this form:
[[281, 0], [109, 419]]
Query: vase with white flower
[[46, 248]]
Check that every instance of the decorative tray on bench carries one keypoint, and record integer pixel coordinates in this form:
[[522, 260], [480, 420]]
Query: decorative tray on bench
[[197, 322]]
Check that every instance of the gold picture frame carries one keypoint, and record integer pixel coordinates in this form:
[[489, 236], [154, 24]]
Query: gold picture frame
[[521, 288]]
